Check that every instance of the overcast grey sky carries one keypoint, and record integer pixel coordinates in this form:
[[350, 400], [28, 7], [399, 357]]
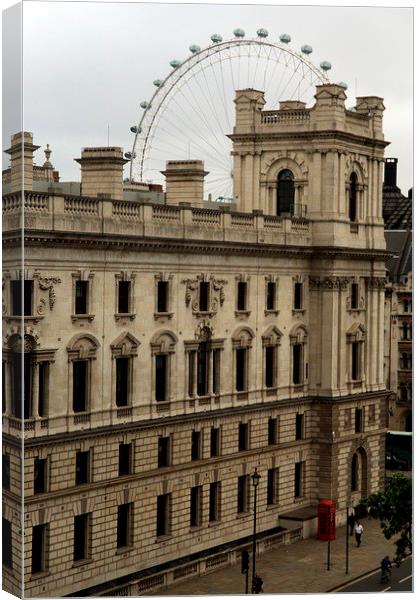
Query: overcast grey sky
[[87, 65]]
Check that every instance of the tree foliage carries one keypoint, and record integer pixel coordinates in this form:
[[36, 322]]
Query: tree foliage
[[393, 506]]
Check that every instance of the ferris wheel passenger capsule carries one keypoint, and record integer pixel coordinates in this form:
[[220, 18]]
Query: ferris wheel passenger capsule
[[216, 37], [157, 82], [175, 63], [262, 33], [144, 104], [194, 48], [130, 155], [239, 33], [285, 38], [134, 129], [343, 84], [306, 49], [325, 65]]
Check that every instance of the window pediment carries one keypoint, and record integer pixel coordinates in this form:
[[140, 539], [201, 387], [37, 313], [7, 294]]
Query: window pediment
[[356, 333], [82, 346], [242, 337], [125, 344], [272, 336], [298, 334], [163, 342]]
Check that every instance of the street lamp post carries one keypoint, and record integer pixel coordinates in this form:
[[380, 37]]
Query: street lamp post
[[255, 481]]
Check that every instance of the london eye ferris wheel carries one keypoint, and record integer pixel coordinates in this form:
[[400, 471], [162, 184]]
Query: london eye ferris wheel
[[191, 111]]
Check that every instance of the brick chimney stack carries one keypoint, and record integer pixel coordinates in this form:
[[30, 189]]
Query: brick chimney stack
[[21, 163], [185, 181], [102, 172]]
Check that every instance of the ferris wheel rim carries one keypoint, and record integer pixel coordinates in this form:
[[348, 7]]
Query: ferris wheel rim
[[211, 50]]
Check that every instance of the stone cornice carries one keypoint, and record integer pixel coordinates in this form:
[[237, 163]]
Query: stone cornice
[[97, 241], [67, 436]]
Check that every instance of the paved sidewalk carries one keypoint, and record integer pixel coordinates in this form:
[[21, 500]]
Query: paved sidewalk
[[297, 568]]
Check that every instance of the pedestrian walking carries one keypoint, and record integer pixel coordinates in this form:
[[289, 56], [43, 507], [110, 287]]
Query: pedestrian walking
[[359, 530], [351, 523]]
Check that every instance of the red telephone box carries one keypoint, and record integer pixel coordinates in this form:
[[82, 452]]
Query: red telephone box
[[326, 520]]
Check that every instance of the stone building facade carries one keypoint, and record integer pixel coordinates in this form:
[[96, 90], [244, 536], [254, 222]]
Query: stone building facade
[[172, 349]]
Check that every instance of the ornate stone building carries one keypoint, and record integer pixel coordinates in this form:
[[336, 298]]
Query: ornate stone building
[[172, 349]]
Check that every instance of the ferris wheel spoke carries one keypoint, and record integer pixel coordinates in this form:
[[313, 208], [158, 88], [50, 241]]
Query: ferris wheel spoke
[[214, 109]]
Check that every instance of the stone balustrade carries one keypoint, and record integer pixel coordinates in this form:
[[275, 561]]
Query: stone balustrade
[[54, 212], [272, 117]]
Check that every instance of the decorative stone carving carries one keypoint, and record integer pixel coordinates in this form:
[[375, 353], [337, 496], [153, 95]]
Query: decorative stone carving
[[216, 293], [376, 283], [204, 331], [328, 283], [47, 283]]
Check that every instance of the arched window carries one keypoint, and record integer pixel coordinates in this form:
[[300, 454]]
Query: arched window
[[285, 192], [354, 473], [353, 180]]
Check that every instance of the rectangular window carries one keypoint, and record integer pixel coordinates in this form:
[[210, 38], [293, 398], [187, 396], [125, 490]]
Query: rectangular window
[[162, 296], [5, 473], [242, 295], [40, 476], [202, 369], [359, 420], [3, 387], [43, 373], [191, 372], [298, 295], [124, 526], [355, 372], [196, 506], [297, 363], [125, 459], [82, 467], [272, 496], [124, 291], [298, 479], [81, 297], [81, 537], [18, 361], [354, 295], [204, 296], [161, 377], [16, 297], [215, 442], [241, 359], [163, 452], [216, 364], [196, 449], [270, 366], [272, 431], [243, 436], [7, 557], [299, 426], [39, 541], [79, 385], [242, 494], [122, 381], [163, 514], [270, 295], [214, 501]]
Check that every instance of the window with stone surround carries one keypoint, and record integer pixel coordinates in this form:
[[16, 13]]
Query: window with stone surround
[[298, 341], [203, 363], [196, 445], [244, 437], [82, 295], [40, 548], [204, 293], [298, 295], [163, 345], [271, 293], [353, 198], [163, 295], [83, 467], [82, 537], [214, 501], [355, 338], [5, 473], [21, 297], [271, 340], [285, 193], [196, 506], [354, 473], [124, 529], [243, 493], [354, 295], [124, 351], [125, 460], [7, 556], [40, 476], [163, 451], [299, 475], [359, 420], [299, 426], [163, 515], [215, 442], [242, 343], [241, 295], [82, 350], [272, 431], [124, 295], [272, 486]]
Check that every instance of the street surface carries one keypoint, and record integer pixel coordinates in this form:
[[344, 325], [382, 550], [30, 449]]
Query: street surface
[[401, 581]]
